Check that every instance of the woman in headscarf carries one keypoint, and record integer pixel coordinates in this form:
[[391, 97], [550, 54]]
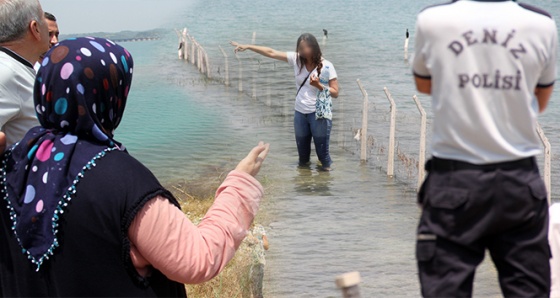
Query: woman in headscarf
[[79, 216]]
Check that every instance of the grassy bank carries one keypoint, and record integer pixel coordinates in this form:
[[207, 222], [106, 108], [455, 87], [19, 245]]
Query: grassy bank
[[196, 197]]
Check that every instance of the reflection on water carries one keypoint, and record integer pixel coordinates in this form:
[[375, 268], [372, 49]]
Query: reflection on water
[[312, 181]]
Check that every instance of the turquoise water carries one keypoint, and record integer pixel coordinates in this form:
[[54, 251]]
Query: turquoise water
[[323, 224]]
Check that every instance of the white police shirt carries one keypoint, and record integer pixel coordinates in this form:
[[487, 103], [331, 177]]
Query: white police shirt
[[17, 110], [485, 60], [306, 99]]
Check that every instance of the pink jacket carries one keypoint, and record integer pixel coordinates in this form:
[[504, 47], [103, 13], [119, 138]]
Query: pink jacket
[[162, 237]]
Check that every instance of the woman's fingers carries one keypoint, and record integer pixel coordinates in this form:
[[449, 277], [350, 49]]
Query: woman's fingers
[[262, 154], [314, 78], [254, 153], [252, 163], [259, 153], [238, 47]]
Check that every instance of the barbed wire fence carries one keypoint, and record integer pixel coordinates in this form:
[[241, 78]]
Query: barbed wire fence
[[371, 125]]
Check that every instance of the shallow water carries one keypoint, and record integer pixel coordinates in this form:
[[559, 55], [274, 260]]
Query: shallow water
[[323, 224]]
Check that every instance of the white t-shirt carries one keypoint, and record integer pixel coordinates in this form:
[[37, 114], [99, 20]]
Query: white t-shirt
[[307, 96], [485, 60], [17, 111], [554, 240]]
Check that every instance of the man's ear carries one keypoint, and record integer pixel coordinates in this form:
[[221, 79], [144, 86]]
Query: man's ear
[[35, 30]]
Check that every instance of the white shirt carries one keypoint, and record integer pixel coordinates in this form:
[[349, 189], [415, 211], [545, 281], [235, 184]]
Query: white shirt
[[307, 97], [554, 240], [36, 67], [485, 60], [17, 111]]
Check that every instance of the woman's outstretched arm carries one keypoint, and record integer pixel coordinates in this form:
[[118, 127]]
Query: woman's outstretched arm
[[163, 238], [265, 51]]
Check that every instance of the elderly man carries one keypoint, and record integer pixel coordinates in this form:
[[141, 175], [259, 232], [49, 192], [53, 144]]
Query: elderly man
[[24, 38]]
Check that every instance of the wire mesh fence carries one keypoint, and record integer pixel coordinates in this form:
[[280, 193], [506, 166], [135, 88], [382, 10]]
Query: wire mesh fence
[[389, 130]]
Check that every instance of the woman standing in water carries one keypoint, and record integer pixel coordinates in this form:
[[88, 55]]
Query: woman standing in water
[[313, 74]]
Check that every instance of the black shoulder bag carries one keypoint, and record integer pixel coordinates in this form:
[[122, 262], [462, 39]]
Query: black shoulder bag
[[301, 86]]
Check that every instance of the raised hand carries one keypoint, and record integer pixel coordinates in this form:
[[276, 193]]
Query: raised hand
[[314, 81], [253, 162]]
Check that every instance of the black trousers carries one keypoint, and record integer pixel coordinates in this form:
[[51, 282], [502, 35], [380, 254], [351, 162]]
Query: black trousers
[[468, 209]]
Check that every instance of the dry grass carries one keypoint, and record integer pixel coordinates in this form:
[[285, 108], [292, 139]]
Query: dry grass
[[196, 197]]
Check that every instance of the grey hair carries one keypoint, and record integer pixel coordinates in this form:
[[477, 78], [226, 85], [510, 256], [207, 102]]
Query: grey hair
[[16, 16]]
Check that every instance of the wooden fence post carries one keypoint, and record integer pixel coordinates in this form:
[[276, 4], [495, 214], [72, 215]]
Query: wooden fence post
[[202, 62], [193, 46], [182, 37], [363, 131], [240, 84], [547, 162], [199, 57], [227, 65], [184, 50], [208, 72], [422, 153], [349, 283], [268, 92], [255, 69], [391, 155], [196, 53]]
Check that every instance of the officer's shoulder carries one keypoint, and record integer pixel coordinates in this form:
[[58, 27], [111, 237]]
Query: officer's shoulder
[[433, 13], [435, 7], [535, 10]]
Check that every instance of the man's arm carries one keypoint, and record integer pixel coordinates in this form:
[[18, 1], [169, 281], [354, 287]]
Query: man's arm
[[422, 75], [545, 84], [543, 95], [424, 85]]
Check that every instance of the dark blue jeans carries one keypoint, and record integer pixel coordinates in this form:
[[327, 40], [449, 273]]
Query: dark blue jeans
[[306, 128]]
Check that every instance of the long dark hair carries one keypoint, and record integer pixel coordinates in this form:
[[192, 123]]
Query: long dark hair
[[315, 57]]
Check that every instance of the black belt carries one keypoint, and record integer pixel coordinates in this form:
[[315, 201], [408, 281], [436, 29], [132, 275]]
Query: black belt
[[445, 165]]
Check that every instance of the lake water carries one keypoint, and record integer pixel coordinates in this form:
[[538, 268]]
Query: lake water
[[321, 224]]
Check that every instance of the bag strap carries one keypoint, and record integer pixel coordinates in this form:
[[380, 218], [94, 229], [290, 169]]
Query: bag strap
[[301, 86]]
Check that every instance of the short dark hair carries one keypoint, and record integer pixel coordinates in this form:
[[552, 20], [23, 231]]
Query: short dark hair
[[49, 16]]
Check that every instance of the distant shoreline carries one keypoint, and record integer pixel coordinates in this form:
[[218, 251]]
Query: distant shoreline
[[136, 39], [123, 36]]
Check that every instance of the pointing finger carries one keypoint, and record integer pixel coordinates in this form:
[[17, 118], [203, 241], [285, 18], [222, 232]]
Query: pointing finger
[[264, 154]]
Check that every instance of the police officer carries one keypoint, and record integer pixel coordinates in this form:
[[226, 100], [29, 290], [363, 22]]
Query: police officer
[[490, 67]]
